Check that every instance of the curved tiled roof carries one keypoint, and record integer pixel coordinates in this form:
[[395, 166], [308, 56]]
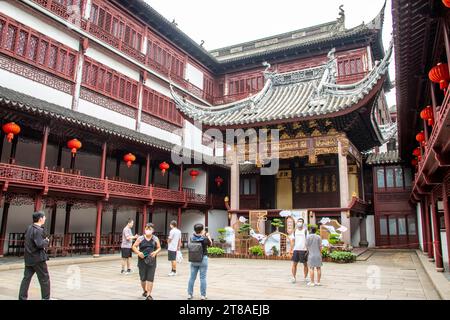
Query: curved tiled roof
[[389, 157], [297, 94]]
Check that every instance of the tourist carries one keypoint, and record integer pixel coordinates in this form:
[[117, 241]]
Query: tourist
[[147, 248], [174, 245], [298, 249], [36, 258], [125, 247], [314, 245], [198, 256]]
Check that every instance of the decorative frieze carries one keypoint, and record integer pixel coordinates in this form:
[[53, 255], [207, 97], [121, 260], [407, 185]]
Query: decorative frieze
[[161, 124], [107, 103], [14, 66]]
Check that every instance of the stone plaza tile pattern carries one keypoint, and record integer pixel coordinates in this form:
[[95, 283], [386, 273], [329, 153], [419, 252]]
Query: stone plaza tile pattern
[[385, 275]]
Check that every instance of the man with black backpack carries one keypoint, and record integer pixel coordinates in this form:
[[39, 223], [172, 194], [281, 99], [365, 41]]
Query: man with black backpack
[[198, 257]]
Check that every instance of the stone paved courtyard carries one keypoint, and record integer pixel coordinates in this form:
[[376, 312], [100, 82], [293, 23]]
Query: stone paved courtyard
[[385, 275]]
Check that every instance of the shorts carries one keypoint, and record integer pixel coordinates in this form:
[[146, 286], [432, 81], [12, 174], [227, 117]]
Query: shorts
[[146, 272], [172, 255], [126, 252], [300, 256]]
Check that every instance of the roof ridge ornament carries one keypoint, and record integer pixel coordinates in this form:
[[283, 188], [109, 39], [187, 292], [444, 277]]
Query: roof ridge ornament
[[341, 19], [328, 77]]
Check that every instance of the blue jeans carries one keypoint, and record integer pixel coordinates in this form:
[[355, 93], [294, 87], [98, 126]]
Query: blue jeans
[[195, 268]]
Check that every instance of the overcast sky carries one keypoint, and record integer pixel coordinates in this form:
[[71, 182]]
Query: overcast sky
[[229, 22]]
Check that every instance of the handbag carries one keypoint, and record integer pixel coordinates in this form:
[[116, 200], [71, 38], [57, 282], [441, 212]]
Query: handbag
[[179, 257]]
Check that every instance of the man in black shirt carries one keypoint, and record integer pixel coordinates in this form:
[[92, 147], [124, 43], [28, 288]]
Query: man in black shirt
[[36, 258]]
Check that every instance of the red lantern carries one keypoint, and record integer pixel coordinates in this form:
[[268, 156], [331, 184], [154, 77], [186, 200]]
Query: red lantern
[[129, 158], [427, 114], [218, 180], [11, 129], [414, 162], [164, 166], [417, 152], [439, 74], [74, 144], [194, 173], [446, 3], [420, 137]]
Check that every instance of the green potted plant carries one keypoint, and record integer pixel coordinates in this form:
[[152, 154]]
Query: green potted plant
[[334, 239], [277, 223], [221, 233], [245, 230], [342, 257], [325, 254], [256, 251], [215, 252]]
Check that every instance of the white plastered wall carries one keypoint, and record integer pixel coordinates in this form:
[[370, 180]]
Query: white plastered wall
[[194, 75], [217, 219], [32, 88]]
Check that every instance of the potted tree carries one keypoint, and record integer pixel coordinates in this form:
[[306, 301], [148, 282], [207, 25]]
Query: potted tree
[[277, 223], [245, 230], [221, 233]]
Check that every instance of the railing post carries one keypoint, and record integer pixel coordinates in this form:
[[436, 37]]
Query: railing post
[[106, 188]]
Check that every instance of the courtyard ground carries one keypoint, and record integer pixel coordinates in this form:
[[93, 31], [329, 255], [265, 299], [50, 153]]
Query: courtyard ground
[[384, 275]]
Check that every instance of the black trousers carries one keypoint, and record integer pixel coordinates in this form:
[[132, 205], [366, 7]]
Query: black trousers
[[44, 280]]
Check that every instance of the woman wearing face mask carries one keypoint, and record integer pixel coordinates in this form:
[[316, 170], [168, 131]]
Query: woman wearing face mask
[[147, 248]]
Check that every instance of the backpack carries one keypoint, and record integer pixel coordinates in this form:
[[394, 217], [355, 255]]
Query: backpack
[[195, 251]]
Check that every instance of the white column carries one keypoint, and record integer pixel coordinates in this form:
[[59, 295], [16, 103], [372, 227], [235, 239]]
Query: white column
[[234, 194], [344, 194], [87, 10], [78, 79]]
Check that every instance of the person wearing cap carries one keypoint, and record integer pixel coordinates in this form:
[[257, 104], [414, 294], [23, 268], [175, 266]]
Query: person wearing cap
[[147, 248]]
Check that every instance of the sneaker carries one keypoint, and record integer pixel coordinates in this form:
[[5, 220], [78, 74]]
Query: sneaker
[[122, 272], [144, 294], [190, 297], [293, 280], [171, 274], [129, 271], [317, 284], [149, 298], [310, 284], [203, 298], [126, 272]]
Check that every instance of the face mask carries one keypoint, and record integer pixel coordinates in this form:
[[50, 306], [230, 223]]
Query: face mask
[[148, 232]]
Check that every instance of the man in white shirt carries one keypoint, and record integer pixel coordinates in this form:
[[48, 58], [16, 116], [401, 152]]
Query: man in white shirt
[[298, 249], [174, 244]]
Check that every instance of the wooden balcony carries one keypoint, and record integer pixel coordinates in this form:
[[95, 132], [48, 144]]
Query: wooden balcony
[[63, 8], [47, 180], [436, 152]]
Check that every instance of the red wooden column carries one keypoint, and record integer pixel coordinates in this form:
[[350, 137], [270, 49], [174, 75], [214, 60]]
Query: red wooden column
[[103, 161], [38, 198], [445, 187], [44, 147], [98, 229], [53, 221], [424, 227], [147, 170], [437, 235], [144, 216], [67, 224], [146, 183], [180, 188], [428, 226], [3, 227]]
